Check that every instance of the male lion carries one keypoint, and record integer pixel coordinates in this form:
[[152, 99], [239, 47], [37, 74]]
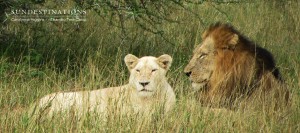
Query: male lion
[[147, 88], [227, 68]]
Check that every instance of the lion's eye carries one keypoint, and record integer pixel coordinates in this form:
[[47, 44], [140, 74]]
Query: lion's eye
[[153, 70], [137, 70], [202, 56]]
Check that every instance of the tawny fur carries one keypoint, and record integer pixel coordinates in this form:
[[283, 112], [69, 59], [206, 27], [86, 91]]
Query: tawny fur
[[227, 68]]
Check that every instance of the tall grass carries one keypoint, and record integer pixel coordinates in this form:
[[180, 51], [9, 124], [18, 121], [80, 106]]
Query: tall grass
[[92, 58]]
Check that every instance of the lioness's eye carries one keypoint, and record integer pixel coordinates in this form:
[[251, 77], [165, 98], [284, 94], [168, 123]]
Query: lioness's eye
[[153, 70], [137, 70]]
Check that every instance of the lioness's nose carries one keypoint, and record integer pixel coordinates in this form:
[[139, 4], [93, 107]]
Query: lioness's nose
[[144, 83], [188, 73]]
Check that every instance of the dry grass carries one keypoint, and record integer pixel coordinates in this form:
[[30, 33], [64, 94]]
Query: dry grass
[[96, 54]]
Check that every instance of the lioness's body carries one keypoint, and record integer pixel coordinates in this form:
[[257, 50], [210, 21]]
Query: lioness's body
[[134, 97], [98, 101]]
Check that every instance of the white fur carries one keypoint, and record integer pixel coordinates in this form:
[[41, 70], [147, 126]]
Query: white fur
[[128, 97]]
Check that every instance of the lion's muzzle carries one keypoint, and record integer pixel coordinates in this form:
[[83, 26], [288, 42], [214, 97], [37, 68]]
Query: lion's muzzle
[[188, 73]]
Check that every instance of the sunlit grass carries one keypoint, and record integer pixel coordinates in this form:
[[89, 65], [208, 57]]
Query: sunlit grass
[[92, 58]]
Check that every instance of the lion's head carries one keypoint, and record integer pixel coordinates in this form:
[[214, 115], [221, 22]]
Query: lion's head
[[215, 56], [227, 64], [202, 65], [148, 74]]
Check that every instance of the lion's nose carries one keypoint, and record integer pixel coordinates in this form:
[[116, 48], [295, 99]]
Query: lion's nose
[[188, 73], [144, 83]]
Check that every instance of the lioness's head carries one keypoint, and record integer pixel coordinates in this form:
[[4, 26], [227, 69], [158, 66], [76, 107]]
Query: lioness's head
[[147, 74], [217, 42]]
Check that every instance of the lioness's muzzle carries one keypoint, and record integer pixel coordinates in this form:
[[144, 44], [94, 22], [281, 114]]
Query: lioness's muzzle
[[144, 83]]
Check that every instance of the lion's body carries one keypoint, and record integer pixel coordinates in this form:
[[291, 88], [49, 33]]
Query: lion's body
[[124, 99], [228, 68]]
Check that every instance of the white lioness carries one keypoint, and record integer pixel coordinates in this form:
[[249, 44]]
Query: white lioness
[[147, 86]]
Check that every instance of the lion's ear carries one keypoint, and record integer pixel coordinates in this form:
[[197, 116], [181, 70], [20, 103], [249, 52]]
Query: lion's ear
[[164, 61], [131, 61], [234, 40]]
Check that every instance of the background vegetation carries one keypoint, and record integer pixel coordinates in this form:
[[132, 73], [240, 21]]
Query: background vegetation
[[37, 58]]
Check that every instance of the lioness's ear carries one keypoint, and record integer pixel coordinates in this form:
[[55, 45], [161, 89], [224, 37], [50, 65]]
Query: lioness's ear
[[164, 61], [131, 61], [234, 40]]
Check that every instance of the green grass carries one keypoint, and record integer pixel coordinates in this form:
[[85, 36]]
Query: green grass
[[41, 58]]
